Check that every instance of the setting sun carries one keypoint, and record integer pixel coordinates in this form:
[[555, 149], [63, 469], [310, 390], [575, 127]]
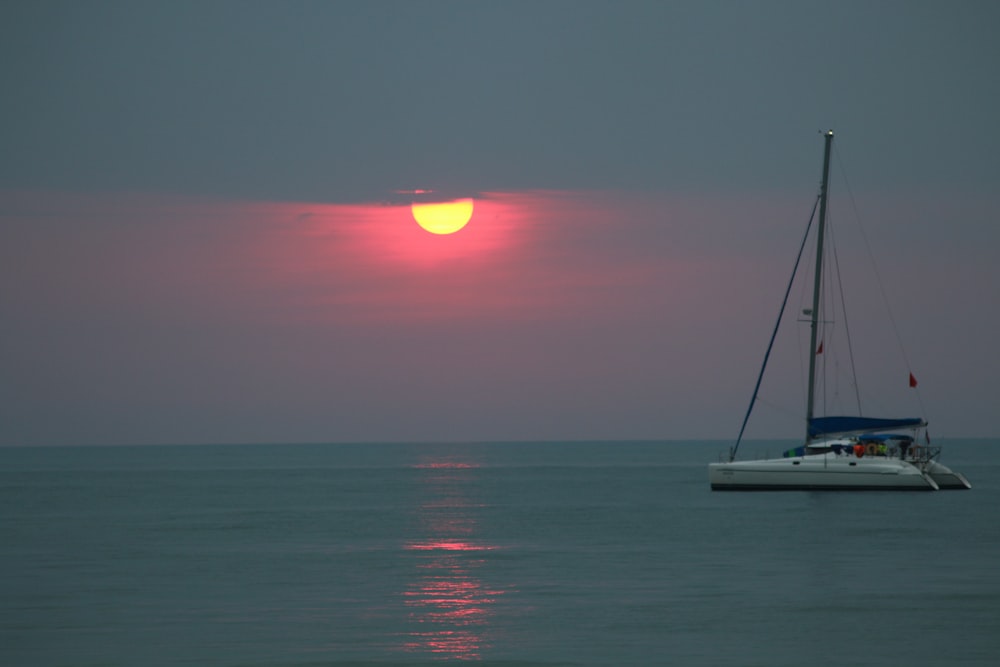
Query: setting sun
[[443, 217]]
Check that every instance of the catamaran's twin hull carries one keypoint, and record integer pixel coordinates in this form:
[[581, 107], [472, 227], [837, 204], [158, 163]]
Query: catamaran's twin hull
[[945, 477], [830, 472]]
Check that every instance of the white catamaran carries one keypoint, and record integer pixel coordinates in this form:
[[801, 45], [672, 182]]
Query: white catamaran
[[840, 452]]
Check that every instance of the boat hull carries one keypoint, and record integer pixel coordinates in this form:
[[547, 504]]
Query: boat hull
[[945, 477], [820, 472]]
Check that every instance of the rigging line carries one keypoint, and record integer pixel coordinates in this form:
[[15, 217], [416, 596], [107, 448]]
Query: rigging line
[[802, 333], [878, 276], [825, 320], [847, 328], [774, 334]]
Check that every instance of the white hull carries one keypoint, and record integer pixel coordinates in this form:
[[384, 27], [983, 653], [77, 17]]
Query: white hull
[[827, 471], [945, 477]]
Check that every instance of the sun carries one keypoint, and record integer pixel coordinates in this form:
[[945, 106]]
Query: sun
[[443, 217]]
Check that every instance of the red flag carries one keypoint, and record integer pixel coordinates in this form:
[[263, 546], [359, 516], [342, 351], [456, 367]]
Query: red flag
[[819, 350], [913, 380]]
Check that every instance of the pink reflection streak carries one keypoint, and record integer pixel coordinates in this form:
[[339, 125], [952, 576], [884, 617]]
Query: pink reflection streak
[[447, 545], [445, 465], [448, 601]]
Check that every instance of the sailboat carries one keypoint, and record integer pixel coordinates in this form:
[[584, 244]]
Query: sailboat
[[839, 452]]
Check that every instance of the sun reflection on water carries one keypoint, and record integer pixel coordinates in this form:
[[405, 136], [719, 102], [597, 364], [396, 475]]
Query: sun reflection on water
[[450, 606]]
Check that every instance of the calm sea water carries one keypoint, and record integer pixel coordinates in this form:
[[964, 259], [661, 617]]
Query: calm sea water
[[513, 554]]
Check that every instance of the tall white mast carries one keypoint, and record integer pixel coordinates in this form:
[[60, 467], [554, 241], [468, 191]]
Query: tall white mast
[[818, 282]]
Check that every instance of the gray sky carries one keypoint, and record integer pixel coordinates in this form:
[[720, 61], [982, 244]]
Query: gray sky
[[171, 174]]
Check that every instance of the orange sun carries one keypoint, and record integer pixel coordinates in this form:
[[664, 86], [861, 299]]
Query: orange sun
[[443, 217]]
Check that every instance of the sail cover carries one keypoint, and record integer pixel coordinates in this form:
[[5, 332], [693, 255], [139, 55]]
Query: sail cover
[[820, 426]]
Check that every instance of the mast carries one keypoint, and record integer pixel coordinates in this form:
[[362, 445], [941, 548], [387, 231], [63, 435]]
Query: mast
[[818, 282]]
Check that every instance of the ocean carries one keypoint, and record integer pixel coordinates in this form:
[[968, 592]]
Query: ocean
[[587, 553]]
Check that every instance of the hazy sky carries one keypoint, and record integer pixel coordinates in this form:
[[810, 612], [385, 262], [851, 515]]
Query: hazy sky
[[203, 235]]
